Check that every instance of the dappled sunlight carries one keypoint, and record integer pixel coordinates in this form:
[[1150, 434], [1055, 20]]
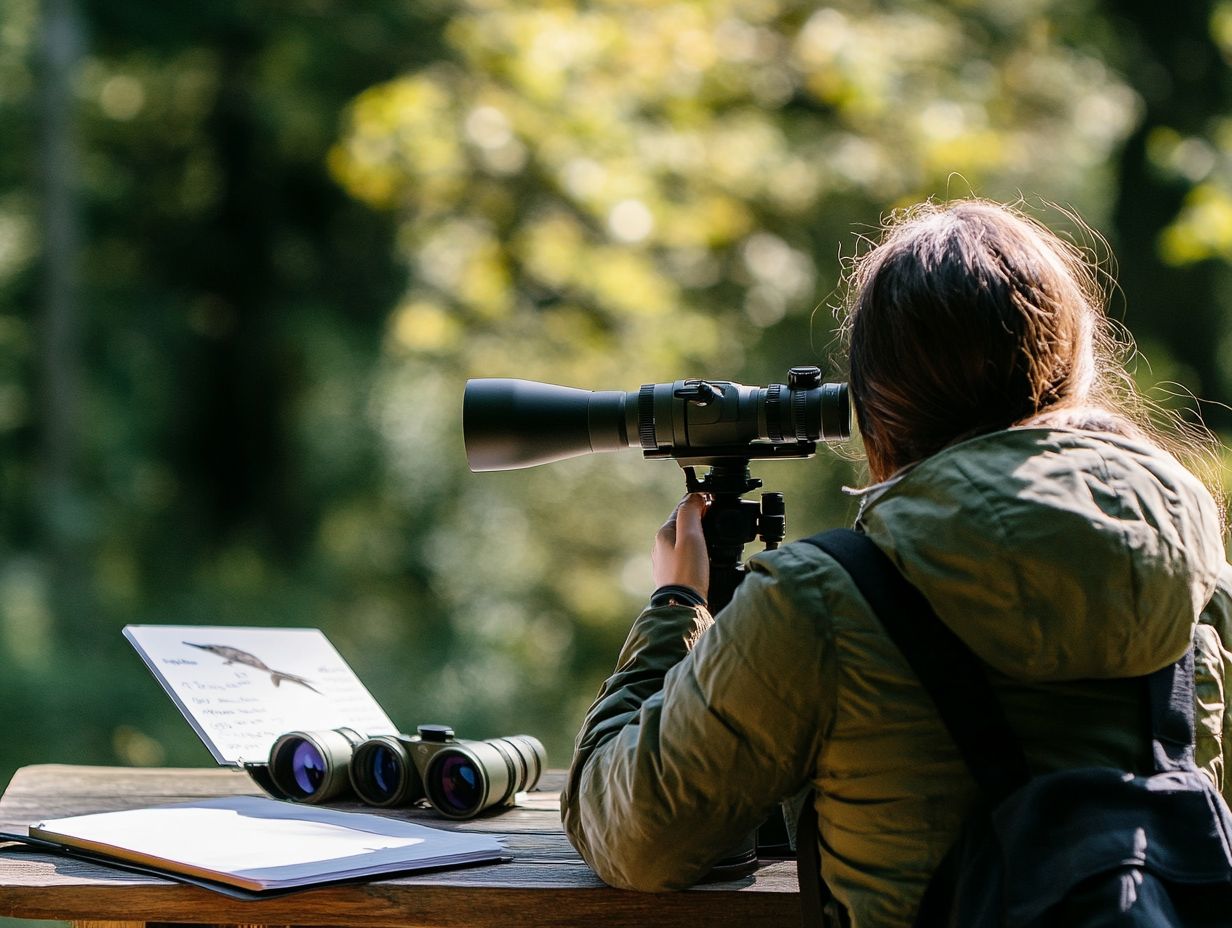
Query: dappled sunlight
[[17, 242], [26, 624], [136, 748], [295, 236], [615, 194], [642, 133], [1203, 229]]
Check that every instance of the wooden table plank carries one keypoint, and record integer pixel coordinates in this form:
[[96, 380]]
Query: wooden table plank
[[83, 790], [547, 883]]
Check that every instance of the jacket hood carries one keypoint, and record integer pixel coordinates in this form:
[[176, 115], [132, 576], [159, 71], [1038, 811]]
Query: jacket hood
[[1055, 554]]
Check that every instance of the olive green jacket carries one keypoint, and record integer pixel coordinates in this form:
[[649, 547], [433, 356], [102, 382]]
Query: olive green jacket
[[1066, 560]]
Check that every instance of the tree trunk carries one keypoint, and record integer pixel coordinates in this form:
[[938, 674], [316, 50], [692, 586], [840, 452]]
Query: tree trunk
[[59, 336]]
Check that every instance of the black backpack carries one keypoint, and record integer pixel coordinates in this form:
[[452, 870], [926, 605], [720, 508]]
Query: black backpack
[[1086, 847]]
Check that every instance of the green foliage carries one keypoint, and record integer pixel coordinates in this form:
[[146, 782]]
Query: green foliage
[[657, 181], [306, 225], [1203, 227]]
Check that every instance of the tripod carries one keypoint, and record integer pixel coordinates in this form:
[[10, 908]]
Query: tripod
[[730, 523]]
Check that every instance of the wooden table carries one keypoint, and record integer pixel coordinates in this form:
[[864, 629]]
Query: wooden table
[[547, 884]]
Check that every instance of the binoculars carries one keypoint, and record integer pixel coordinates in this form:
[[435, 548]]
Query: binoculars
[[459, 778]]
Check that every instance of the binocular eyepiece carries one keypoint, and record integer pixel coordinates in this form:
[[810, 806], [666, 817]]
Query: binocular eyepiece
[[459, 778], [509, 424]]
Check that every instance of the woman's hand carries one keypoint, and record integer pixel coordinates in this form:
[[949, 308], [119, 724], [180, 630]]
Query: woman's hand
[[679, 557]]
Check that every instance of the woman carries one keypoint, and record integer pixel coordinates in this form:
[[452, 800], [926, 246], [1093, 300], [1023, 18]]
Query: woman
[[1015, 484]]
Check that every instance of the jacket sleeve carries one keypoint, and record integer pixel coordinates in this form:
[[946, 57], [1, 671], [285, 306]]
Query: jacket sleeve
[[1212, 678], [702, 729]]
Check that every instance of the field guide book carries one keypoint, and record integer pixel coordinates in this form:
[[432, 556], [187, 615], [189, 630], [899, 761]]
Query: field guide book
[[241, 688], [262, 845]]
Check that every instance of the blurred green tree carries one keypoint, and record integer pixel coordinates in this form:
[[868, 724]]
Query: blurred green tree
[[219, 283], [1173, 218], [662, 178], [304, 225]]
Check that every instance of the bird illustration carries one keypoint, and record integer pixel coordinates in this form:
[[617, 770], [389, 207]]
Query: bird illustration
[[236, 656]]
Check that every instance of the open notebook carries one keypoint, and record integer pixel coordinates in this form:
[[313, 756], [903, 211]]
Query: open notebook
[[264, 845], [240, 688]]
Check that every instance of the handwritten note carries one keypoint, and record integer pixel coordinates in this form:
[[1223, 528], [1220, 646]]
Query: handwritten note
[[240, 688]]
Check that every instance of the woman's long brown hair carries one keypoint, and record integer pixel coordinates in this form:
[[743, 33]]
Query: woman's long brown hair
[[971, 317]]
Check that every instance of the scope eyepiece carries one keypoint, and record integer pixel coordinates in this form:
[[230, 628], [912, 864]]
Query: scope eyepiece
[[509, 424]]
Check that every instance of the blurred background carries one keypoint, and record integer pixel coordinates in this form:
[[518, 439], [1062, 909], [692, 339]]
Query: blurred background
[[251, 251]]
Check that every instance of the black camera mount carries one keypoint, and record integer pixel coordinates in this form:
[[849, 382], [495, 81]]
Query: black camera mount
[[731, 522]]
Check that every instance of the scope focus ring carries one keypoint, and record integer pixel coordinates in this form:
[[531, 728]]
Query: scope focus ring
[[799, 408], [774, 412], [646, 417]]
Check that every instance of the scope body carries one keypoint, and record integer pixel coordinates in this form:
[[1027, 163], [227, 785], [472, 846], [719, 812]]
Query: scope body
[[511, 424]]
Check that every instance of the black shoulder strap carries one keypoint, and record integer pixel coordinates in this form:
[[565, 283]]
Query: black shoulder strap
[[951, 674], [813, 892], [1170, 692]]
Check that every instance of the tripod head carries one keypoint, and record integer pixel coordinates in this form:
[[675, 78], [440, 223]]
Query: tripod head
[[731, 522]]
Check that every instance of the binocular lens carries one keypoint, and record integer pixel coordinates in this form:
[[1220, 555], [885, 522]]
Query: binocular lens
[[383, 774], [311, 766], [459, 785], [385, 770], [307, 768], [464, 779]]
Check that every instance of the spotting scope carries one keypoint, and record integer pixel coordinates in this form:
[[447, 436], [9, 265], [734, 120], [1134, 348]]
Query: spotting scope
[[508, 424], [717, 424]]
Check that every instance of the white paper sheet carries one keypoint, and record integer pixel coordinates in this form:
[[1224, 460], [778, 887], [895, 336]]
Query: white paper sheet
[[264, 844]]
